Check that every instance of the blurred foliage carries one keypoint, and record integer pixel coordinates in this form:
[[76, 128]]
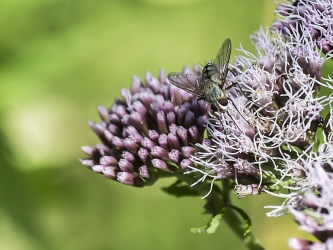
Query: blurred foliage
[[58, 59]]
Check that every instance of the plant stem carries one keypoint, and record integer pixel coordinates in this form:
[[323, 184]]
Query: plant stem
[[221, 202]]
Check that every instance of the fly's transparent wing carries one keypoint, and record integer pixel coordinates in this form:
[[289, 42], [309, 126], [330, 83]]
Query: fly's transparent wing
[[222, 59], [187, 82]]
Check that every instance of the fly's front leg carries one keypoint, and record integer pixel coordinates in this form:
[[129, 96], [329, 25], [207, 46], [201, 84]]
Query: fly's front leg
[[199, 99]]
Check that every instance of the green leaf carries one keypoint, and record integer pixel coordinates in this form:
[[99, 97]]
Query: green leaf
[[180, 189], [211, 227]]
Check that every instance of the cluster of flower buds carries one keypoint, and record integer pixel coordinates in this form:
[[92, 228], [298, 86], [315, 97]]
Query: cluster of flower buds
[[150, 132]]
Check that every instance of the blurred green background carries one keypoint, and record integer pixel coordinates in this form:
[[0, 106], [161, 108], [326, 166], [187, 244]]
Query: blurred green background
[[58, 60]]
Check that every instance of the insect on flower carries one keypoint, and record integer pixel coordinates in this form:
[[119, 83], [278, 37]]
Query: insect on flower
[[211, 85]]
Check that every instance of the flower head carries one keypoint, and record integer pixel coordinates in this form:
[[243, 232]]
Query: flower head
[[266, 139], [270, 126], [151, 130]]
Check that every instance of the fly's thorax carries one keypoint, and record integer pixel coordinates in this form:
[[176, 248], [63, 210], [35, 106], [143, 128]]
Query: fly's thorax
[[212, 91], [210, 71]]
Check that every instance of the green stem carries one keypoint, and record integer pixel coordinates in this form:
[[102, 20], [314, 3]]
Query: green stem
[[238, 227], [221, 201]]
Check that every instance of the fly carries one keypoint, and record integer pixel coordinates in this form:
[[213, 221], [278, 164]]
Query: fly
[[211, 85]]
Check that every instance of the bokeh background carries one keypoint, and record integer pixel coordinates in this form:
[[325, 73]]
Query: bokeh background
[[58, 60]]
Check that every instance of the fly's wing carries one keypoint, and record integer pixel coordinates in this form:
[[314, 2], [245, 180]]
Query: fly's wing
[[187, 82], [222, 59]]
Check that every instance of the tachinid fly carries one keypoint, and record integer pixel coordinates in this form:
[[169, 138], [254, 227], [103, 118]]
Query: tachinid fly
[[211, 85]]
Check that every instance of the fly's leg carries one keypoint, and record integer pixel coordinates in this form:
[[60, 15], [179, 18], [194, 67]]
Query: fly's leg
[[199, 99]]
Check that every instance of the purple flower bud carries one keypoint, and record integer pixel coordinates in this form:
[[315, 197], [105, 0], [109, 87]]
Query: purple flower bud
[[175, 156], [181, 112], [171, 118], [146, 99], [194, 134], [125, 166], [128, 156], [115, 130], [100, 129], [189, 119], [155, 107], [108, 161], [167, 107], [201, 124], [175, 95], [163, 140], [188, 151], [153, 135], [103, 150], [118, 142], [143, 170], [134, 134], [97, 168], [143, 154], [136, 84], [88, 150], [173, 128], [130, 145], [139, 107], [108, 136], [165, 92], [126, 96], [126, 120], [159, 164], [120, 110], [110, 172], [152, 83], [182, 133], [114, 119], [103, 113], [173, 141], [162, 76], [129, 179], [87, 162], [161, 122], [159, 152], [147, 143], [185, 163], [139, 122]]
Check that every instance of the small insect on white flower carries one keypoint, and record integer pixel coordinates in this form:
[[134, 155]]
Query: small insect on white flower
[[211, 85]]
